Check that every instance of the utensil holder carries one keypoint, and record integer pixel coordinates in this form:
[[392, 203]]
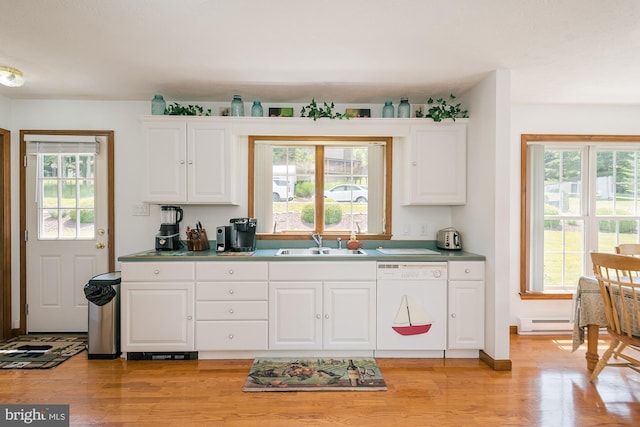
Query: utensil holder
[[198, 242]]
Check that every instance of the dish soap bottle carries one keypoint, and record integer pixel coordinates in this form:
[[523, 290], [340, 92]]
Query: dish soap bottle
[[353, 243]]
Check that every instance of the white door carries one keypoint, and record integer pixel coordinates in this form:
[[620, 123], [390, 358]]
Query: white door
[[295, 315], [67, 217]]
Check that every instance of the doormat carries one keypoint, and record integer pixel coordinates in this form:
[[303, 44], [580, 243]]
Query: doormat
[[40, 351], [314, 374]]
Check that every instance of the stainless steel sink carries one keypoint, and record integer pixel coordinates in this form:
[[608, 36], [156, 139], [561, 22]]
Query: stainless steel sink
[[319, 252]]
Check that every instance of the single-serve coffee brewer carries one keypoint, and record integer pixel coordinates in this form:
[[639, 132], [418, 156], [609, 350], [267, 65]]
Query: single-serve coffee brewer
[[168, 237], [243, 234]]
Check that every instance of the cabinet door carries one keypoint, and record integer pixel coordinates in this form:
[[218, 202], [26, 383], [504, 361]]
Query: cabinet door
[[164, 160], [157, 317], [466, 315], [349, 315], [437, 165], [209, 163], [295, 315]]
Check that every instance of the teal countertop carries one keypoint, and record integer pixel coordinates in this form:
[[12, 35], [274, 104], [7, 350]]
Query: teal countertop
[[266, 251]]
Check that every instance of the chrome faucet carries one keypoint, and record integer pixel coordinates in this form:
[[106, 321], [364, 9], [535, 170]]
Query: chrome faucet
[[317, 238]]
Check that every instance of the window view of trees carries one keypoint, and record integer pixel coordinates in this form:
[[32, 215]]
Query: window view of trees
[[590, 202], [66, 201]]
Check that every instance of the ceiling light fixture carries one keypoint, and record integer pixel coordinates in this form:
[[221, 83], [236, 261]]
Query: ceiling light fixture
[[10, 76]]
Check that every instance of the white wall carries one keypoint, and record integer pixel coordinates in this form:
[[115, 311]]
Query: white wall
[[483, 219], [136, 233], [555, 119]]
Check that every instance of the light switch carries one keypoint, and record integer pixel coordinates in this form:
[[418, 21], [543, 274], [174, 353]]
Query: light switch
[[141, 209]]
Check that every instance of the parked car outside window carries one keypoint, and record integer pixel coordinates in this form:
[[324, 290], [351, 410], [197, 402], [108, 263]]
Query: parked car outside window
[[348, 193], [281, 191]]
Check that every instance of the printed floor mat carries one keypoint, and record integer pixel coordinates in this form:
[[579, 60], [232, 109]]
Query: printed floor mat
[[40, 351], [314, 374]]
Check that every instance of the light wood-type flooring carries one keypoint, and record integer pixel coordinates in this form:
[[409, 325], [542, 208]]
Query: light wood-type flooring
[[548, 386]]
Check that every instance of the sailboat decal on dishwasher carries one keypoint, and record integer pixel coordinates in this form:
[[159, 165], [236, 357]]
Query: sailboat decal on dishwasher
[[411, 319]]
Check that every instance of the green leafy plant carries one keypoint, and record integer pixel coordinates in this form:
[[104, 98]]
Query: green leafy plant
[[332, 213], [312, 110], [176, 109], [440, 109]]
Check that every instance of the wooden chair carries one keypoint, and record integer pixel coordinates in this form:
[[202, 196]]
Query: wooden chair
[[632, 249], [619, 280]]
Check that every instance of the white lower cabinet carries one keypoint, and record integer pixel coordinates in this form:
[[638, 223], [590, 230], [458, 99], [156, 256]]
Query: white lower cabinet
[[466, 306], [335, 312], [231, 306], [157, 307]]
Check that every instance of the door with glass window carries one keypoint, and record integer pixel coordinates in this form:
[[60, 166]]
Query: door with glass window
[[67, 226]]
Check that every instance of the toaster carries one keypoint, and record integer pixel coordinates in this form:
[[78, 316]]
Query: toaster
[[449, 238]]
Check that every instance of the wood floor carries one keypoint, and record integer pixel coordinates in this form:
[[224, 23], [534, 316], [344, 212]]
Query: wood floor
[[548, 386]]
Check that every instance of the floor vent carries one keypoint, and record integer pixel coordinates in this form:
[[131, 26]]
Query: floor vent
[[544, 326]]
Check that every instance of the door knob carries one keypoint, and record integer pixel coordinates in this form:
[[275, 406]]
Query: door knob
[[100, 245]]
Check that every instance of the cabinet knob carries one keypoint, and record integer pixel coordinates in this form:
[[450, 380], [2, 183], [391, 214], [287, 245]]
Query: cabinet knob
[[467, 270], [156, 271], [230, 336], [453, 315], [189, 317], [231, 291], [231, 311], [182, 162], [190, 162], [437, 273], [326, 316], [318, 316], [414, 163], [230, 271]]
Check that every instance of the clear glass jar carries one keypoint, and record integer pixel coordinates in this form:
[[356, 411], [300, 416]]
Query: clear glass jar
[[404, 109], [256, 109], [388, 110], [237, 106], [158, 105]]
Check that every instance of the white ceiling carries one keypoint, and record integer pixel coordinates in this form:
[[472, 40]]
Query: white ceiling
[[346, 51]]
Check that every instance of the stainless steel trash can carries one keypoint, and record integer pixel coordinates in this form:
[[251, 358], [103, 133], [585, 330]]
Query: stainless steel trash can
[[103, 293]]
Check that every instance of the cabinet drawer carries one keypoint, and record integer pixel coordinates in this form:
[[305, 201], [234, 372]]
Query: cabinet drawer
[[231, 310], [468, 270], [157, 271], [231, 291], [231, 271], [247, 335]]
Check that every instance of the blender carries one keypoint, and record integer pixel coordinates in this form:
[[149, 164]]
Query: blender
[[168, 237]]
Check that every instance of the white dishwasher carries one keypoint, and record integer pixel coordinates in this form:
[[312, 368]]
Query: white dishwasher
[[412, 307]]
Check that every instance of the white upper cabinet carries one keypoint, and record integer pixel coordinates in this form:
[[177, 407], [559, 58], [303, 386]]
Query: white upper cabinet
[[435, 165], [188, 161]]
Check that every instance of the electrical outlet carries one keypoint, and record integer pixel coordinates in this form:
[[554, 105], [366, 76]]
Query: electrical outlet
[[141, 209], [424, 229]]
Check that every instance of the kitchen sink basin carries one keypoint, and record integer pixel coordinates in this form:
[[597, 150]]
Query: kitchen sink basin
[[319, 252]]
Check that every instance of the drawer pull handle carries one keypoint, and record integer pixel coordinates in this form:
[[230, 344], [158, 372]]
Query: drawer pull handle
[[230, 336], [326, 316], [230, 271], [453, 315], [231, 291], [189, 317], [467, 270], [156, 271], [318, 316], [231, 311]]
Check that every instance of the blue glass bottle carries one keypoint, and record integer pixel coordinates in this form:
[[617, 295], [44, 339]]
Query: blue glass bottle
[[237, 106], [158, 105], [404, 109], [387, 110], [256, 109]]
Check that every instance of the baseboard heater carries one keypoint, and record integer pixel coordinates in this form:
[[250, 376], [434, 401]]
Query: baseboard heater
[[544, 326], [180, 355]]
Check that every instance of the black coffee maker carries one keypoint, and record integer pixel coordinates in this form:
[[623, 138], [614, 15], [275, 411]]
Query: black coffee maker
[[243, 234], [168, 237]]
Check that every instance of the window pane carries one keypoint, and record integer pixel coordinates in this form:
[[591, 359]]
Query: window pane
[[563, 253], [293, 188], [562, 185], [49, 193], [68, 199]]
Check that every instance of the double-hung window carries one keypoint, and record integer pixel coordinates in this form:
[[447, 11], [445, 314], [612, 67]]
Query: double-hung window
[[329, 185], [579, 194]]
